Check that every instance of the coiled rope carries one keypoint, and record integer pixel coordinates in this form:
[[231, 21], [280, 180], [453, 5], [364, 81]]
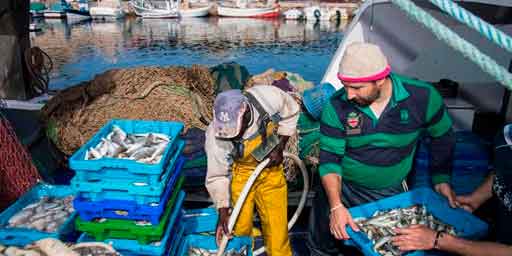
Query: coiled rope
[[39, 66], [442, 32], [489, 31]]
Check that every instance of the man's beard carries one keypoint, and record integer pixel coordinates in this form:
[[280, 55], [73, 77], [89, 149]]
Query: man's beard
[[364, 102]]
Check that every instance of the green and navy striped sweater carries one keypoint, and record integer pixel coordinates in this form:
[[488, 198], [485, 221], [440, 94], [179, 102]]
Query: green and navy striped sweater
[[378, 152]]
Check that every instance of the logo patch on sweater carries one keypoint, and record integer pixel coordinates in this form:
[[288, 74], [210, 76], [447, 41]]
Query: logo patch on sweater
[[404, 116], [354, 123]]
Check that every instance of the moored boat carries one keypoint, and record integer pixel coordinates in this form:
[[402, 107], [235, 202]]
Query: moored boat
[[107, 9], [258, 12], [56, 11], [293, 14], [148, 10], [195, 12]]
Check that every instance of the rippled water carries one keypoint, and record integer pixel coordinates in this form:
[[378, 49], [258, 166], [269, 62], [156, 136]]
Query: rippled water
[[82, 50]]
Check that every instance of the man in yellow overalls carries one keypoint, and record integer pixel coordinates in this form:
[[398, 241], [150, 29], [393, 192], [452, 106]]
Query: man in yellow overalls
[[247, 128]]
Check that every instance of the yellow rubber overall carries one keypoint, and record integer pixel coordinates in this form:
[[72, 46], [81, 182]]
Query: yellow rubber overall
[[269, 195]]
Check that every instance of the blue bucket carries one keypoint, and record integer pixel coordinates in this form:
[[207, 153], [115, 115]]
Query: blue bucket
[[315, 98]]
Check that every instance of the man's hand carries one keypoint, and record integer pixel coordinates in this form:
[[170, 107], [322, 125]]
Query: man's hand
[[276, 157], [222, 225], [415, 237], [339, 218], [445, 190], [474, 200], [469, 202]]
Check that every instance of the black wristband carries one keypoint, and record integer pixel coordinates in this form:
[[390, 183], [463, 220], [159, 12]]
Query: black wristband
[[439, 234]]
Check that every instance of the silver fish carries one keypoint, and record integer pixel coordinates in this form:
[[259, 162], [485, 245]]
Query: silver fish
[[159, 150], [145, 148], [380, 227], [132, 148], [93, 154], [15, 251], [47, 214], [144, 152], [193, 251], [93, 251], [19, 218], [117, 135]]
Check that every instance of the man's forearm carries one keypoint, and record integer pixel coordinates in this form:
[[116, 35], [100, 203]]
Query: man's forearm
[[473, 248], [332, 186], [484, 191]]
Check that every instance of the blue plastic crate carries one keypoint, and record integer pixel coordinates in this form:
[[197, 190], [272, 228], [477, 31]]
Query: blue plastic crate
[[122, 174], [24, 236], [120, 209], [124, 167], [131, 179], [468, 146], [122, 190], [132, 247], [470, 166], [200, 220], [209, 243], [466, 225], [177, 239], [466, 175]]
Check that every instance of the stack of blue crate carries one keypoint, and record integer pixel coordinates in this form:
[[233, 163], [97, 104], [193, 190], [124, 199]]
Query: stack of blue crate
[[470, 165], [134, 206]]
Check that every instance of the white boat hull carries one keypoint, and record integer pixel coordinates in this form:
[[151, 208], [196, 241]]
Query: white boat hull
[[155, 13], [268, 12], [159, 15], [293, 14], [194, 12], [54, 14], [106, 13], [77, 16]]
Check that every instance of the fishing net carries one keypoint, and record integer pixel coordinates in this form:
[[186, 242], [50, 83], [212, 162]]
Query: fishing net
[[149, 93], [17, 172]]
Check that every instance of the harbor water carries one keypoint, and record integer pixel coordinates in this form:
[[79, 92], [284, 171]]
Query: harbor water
[[82, 50]]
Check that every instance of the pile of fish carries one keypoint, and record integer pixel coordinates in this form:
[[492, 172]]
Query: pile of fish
[[94, 249], [193, 251], [54, 247], [380, 227], [15, 251], [46, 215], [145, 148]]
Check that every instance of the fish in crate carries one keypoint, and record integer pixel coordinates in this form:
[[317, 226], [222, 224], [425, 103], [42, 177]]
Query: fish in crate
[[46, 215], [380, 228], [194, 251], [145, 147]]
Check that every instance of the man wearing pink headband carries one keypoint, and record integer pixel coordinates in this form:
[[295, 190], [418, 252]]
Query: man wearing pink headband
[[369, 131]]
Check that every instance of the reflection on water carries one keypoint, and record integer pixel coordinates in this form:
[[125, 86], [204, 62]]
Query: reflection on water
[[82, 50]]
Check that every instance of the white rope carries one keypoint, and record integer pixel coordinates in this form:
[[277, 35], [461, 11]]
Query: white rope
[[489, 31], [469, 51]]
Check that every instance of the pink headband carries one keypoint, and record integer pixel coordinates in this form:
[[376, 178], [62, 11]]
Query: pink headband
[[384, 73]]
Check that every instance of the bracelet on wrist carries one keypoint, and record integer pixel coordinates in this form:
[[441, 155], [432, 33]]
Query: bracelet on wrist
[[336, 207], [439, 235]]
